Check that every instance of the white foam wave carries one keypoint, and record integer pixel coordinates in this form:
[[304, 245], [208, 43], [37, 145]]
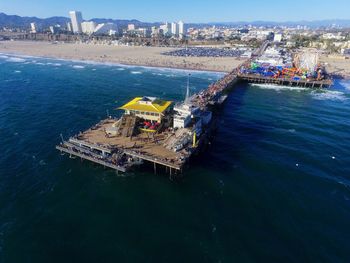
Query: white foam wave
[[18, 71], [136, 72], [121, 69], [277, 87], [40, 63], [3, 56], [329, 95], [345, 84], [16, 60], [78, 67]]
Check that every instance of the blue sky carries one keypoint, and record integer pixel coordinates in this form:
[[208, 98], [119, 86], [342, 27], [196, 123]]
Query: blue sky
[[189, 11]]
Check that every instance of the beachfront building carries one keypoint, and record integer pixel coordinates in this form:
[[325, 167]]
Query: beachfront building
[[182, 29], [155, 31], [175, 29], [106, 29], [166, 28], [147, 108], [69, 27], [88, 27], [33, 28], [131, 27], [76, 20], [55, 29]]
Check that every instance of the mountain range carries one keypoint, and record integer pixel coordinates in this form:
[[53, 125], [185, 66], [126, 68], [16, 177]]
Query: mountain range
[[24, 22]]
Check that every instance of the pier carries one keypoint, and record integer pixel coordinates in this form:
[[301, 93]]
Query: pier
[[285, 81], [148, 132]]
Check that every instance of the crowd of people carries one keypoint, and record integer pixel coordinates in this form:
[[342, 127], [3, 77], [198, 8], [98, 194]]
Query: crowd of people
[[203, 98], [204, 52]]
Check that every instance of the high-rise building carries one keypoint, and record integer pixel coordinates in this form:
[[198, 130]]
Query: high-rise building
[[33, 28], [69, 27], [76, 19], [166, 28], [175, 29], [182, 29], [88, 27]]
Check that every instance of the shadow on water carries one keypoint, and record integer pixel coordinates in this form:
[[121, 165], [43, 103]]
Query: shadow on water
[[233, 133]]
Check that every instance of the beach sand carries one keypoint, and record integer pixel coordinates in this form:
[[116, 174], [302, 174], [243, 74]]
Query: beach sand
[[143, 56], [338, 67]]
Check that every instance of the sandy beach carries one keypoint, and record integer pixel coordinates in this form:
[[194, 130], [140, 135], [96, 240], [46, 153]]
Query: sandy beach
[[338, 67], [143, 56]]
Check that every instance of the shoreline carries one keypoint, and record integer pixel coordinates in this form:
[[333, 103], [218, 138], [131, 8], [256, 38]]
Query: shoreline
[[119, 55], [145, 57], [115, 64], [112, 64]]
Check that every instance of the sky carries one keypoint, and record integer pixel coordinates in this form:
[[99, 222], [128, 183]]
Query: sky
[[187, 10]]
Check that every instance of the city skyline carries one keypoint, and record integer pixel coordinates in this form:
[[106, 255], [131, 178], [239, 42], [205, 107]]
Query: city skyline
[[203, 12]]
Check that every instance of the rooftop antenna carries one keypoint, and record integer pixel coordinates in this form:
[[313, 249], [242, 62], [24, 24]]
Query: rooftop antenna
[[188, 89]]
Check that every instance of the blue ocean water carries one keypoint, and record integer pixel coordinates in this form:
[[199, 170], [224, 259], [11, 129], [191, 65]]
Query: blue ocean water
[[273, 187]]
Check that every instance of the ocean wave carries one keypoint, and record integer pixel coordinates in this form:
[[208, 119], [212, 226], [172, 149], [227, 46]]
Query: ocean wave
[[78, 67], [121, 69], [136, 72], [16, 60], [345, 84], [329, 95], [277, 87], [39, 63], [3, 56], [18, 71]]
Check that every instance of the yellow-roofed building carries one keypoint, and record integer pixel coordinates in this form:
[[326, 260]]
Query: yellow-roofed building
[[147, 108]]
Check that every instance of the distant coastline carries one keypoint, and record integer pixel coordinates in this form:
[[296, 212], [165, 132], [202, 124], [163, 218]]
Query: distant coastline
[[118, 55]]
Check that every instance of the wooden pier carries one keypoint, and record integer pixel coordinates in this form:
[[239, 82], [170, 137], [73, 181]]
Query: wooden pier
[[92, 159], [126, 149], [285, 81]]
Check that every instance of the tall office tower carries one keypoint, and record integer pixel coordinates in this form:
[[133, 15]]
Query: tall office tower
[[76, 18], [174, 29], [69, 27], [182, 29]]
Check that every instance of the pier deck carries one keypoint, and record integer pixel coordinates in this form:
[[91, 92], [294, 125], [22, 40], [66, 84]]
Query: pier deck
[[146, 147], [93, 159], [251, 78]]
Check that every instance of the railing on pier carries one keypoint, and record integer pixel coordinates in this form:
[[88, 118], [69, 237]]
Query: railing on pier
[[92, 159], [153, 160]]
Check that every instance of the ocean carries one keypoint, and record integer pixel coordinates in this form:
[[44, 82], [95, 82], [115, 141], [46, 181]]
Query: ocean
[[274, 185]]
